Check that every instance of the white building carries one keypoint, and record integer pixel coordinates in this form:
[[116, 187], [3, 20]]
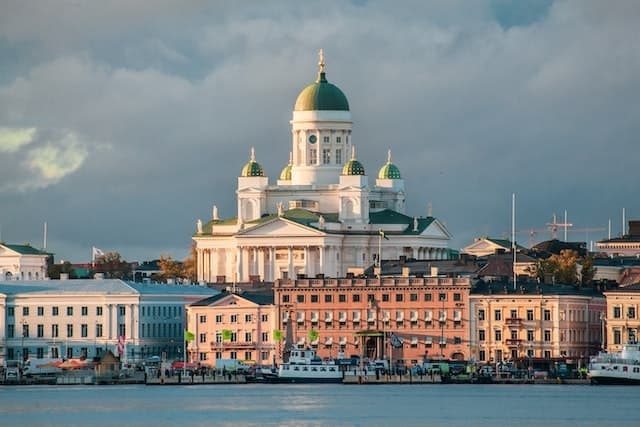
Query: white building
[[75, 318], [22, 262], [322, 216]]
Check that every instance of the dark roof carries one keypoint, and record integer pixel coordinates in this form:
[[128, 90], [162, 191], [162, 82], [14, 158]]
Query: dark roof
[[456, 267], [258, 298], [633, 288], [501, 265], [555, 246], [26, 249], [493, 288]]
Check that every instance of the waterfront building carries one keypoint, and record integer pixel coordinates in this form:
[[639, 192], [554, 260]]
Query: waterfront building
[[622, 320], [534, 321], [23, 262], [233, 326], [322, 217], [625, 245], [407, 319], [83, 318]]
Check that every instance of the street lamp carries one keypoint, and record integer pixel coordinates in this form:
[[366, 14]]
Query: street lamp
[[22, 352]]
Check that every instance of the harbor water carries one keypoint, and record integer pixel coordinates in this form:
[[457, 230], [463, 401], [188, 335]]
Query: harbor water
[[320, 405]]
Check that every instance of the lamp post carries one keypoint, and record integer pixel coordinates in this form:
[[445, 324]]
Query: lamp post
[[22, 352]]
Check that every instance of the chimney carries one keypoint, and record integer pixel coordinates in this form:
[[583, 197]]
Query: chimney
[[634, 228], [434, 271], [64, 276], [405, 271]]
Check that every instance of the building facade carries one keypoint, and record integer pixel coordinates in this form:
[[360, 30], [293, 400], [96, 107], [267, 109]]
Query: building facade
[[405, 319], [322, 217], [622, 321], [627, 245], [534, 321], [23, 262], [84, 318], [233, 326]]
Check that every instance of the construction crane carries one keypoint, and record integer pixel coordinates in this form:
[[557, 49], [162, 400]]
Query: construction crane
[[553, 226]]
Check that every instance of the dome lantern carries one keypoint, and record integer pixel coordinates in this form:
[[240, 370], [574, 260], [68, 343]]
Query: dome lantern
[[353, 166], [389, 170], [252, 168]]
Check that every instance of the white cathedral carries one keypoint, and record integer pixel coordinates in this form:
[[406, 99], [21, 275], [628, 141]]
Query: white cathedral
[[322, 217]]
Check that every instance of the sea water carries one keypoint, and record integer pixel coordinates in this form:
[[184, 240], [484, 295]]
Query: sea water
[[320, 405]]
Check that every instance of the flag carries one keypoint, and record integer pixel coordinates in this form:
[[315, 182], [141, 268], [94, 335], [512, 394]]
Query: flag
[[189, 336], [313, 335], [226, 334], [383, 235], [120, 345], [278, 335], [96, 252]]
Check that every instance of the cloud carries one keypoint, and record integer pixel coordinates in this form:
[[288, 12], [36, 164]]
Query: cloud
[[12, 140]]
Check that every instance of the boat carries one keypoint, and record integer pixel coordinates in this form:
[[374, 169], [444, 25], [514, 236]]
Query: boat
[[616, 368], [305, 366]]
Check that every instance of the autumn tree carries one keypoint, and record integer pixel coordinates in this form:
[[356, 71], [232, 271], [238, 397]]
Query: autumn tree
[[113, 266], [170, 267], [559, 268], [56, 269], [587, 272]]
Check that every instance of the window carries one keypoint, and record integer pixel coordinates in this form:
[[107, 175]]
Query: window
[[203, 318], [203, 338], [265, 317], [326, 140], [248, 337], [69, 311], [314, 298], [342, 298], [54, 311], [98, 311], [84, 330], [326, 156], [457, 340], [234, 318], [40, 331], [123, 332], [313, 156], [40, 311], [514, 334], [25, 331], [530, 335], [497, 315], [481, 314], [54, 331], [10, 331], [631, 312], [371, 297], [385, 297], [248, 318], [300, 298], [413, 297], [218, 355], [547, 335], [513, 314], [69, 330], [547, 315], [616, 312], [338, 139], [427, 297], [11, 311], [355, 298], [203, 356], [529, 315], [121, 310], [25, 311], [457, 297], [339, 155], [617, 336], [234, 337], [481, 335], [399, 297], [218, 318], [482, 355], [248, 355], [84, 310], [285, 298], [442, 297], [98, 330], [498, 335], [264, 355], [265, 336]]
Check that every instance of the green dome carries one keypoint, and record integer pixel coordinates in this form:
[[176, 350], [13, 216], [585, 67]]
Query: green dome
[[389, 170], [252, 168], [321, 95], [353, 167]]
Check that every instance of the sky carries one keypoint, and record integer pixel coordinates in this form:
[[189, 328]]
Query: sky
[[122, 123]]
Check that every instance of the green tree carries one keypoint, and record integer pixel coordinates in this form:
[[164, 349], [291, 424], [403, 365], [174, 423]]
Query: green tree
[[171, 268], [558, 268], [112, 266], [55, 270], [587, 272]]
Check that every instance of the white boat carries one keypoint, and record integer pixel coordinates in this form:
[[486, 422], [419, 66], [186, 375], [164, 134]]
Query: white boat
[[304, 366], [616, 368]]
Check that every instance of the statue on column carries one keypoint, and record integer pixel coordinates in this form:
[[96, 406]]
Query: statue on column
[[280, 209], [415, 223], [215, 213], [199, 226], [321, 221]]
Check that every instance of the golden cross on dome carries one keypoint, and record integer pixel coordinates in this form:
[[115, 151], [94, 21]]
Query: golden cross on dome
[[253, 154], [321, 63]]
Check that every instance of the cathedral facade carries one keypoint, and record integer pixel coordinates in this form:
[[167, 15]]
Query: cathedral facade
[[322, 218]]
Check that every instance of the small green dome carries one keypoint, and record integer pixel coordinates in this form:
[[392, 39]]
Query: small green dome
[[353, 167], [252, 168], [389, 170], [321, 95]]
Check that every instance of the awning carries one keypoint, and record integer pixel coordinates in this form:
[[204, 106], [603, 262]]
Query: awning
[[369, 334]]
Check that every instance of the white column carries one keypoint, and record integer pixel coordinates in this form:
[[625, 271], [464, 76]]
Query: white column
[[239, 265], [213, 262], [321, 264], [291, 272], [261, 263], [307, 264], [272, 263]]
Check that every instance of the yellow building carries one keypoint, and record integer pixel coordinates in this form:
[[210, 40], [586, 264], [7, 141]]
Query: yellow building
[[534, 321], [622, 323], [232, 326]]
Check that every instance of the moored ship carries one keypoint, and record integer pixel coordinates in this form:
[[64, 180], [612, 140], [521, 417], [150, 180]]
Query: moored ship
[[616, 368], [305, 366]]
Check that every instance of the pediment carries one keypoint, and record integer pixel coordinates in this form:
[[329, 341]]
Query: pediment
[[233, 300], [436, 230], [280, 227]]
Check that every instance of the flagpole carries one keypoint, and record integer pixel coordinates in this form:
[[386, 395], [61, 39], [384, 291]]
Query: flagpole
[[184, 357]]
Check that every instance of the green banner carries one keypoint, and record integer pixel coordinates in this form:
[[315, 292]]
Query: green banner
[[278, 335], [313, 335], [189, 336], [226, 334]]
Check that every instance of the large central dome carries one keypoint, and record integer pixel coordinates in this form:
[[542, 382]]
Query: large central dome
[[321, 95]]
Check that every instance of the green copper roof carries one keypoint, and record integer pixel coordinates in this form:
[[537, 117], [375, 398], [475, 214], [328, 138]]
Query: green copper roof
[[25, 249], [389, 171], [353, 167], [321, 95], [252, 168]]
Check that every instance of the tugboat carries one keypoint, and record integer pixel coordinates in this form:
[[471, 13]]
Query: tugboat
[[305, 366], [616, 368]]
